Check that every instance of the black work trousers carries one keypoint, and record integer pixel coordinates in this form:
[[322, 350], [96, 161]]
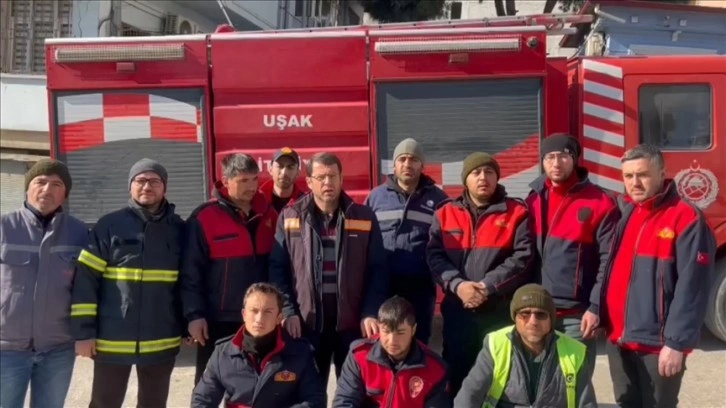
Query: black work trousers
[[332, 346], [216, 331], [110, 382], [636, 381]]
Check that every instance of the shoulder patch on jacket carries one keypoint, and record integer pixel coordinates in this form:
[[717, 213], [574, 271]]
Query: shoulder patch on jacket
[[358, 225], [285, 376]]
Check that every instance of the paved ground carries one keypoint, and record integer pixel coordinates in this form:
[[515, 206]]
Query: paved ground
[[704, 385]]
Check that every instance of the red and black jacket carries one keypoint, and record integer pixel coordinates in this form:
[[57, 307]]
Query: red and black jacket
[[573, 250], [370, 379], [286, 377], [494, 247], [666, 283], [225, 253], [299, 189]]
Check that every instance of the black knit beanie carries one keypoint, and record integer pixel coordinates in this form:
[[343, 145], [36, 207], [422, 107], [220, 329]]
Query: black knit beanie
[[47, 167], [561, 143]]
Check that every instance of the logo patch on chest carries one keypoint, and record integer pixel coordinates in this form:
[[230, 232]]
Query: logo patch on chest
[[666, 233], [285, 376], [415, 386]]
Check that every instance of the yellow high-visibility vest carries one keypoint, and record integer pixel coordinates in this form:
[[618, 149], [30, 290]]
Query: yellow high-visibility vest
[[571, 355]]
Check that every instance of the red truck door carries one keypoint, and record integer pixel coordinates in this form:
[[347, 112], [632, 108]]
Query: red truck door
[[305, 90], [114, 101], [463, 90], [679, 105]]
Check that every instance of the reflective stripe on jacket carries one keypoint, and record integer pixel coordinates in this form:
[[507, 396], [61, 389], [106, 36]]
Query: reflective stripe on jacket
[[570, 353], [125, 293], [500, 377]]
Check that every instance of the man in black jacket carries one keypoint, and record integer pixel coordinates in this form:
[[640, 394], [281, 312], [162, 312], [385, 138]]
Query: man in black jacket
[[329, 262], [261, 366], [125, 305], [228, 241]]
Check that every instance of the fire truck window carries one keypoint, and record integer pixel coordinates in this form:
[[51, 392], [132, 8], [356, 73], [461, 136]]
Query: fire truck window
[[676, 117]]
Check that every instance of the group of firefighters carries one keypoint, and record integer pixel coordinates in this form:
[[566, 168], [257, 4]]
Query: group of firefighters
[[273, 283]]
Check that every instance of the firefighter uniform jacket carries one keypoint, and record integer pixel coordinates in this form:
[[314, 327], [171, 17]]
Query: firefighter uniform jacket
[[125, 292]]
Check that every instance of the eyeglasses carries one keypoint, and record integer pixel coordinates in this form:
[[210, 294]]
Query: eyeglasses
[[140, 182], [562, 157], [526, 314], [325, 177]]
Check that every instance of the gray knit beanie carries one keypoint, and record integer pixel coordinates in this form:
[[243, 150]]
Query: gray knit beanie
[[409, 146], [144, 165]]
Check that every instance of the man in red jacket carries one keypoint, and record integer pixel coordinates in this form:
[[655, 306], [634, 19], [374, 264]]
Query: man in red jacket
[[656, 285], [393, 370], [228, 243], [284, 187], [573, 221]]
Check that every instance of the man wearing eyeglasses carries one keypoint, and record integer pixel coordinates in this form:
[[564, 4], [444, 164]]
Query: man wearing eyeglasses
[[126, 308], [573, 221], [329, 261], [529, 364]]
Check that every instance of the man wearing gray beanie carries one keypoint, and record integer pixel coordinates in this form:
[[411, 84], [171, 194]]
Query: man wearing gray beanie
[[136, 250], [404, 205]]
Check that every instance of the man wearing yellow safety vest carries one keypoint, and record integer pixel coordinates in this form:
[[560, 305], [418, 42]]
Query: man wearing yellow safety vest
[[529, 364], [125, 305]]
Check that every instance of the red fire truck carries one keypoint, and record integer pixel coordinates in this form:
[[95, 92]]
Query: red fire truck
[[484, 85]]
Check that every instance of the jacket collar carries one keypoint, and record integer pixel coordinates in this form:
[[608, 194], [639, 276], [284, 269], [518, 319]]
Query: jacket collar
[[539, 185], [238, 340], [299, 188], [166, 209], [416, 357], [424, 182], [35, 218], [498, 203], [306, 204], [259, 204], [661, 199]]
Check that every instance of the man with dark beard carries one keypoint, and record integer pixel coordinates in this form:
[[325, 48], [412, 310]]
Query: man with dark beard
[[480, 251], [284, 188], [404, 206], [126, 308]]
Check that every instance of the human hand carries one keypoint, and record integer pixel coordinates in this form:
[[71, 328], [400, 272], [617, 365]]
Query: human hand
[[670, 362], [199, 331], [589, 324], [293, 326], [86, 348], [369, 327], [472, 294]]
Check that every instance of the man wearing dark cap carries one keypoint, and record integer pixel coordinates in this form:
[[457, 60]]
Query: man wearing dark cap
[[573, 221], [126, 309], [480, 251], [529, 364], [38, 245], [404, 206], [284, 187]]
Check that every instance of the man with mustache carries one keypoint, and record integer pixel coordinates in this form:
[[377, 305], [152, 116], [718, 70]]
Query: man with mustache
[[126, 309], [480, 251], [573, 221], [229, 239], [405, 206], [283, 188], [329, 262], [39, 243], [530, 364], [656, 285]]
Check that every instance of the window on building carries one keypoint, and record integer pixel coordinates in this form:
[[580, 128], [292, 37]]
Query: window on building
[[676, 116], [25, 26], [455, 13], [299, 8]]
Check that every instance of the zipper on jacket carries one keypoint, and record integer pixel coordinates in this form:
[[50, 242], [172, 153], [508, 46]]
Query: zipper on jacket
[[141, 291], [554, 221], [577, 270], [224, 284], [630, 279], [391, 391], [661, 317]]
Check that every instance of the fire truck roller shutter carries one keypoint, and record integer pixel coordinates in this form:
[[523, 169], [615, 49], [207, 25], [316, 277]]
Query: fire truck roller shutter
[[101, 135], [454, 118], [716, 312]]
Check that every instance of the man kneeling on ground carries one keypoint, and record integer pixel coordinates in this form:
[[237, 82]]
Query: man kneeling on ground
[[529, 364], [393, 369], [261, 352]]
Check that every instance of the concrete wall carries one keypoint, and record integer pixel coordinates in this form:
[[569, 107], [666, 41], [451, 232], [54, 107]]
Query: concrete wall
[[24, 104]]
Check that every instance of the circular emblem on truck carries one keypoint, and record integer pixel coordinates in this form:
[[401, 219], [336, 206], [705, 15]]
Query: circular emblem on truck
[[698, 185]]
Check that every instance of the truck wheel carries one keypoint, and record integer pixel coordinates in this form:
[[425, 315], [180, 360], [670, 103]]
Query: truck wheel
[[716, 311]]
